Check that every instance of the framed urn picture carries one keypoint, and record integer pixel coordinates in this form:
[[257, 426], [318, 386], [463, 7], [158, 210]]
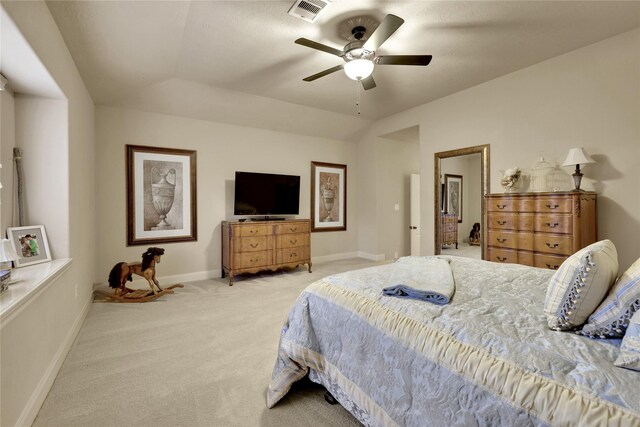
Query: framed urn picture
[[161, 195], [328, 197]]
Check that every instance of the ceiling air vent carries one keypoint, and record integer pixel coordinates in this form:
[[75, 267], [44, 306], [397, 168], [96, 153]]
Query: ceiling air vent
[[309, 10]]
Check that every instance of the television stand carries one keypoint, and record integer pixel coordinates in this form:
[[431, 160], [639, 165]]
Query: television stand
[[269, 218], [250, 247]]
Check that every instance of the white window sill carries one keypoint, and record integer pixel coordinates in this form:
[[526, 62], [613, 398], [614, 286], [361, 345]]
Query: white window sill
[[27, 282]]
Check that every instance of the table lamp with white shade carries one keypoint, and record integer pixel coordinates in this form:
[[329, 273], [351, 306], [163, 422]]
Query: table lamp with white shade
[[577, 156], [7, 255]]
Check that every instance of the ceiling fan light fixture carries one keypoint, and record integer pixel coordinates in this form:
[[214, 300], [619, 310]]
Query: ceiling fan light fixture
[[358, 69], [359, 55]]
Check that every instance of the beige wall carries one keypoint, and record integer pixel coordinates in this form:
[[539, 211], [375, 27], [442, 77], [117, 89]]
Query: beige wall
[[45, 186], [8, 140], [397, 160], [36, 339], [222, 149], [588, 97], [367, 214]]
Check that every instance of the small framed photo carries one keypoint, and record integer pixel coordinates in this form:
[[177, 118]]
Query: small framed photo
[[453, 195], [328, 197], [30, 243], [161, 195]]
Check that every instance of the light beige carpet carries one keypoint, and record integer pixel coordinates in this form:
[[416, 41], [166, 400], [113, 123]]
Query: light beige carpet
[[464, 250], [200, 357]]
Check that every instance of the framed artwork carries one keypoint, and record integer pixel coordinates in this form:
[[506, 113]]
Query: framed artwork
[[328, 197], [30, 243], [161, 195], [453, 195]]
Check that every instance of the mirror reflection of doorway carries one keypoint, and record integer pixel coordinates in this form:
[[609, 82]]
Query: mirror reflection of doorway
[[462, 180], [462, 205]]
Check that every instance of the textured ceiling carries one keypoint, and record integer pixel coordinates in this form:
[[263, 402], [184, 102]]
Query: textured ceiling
[[125, 50]]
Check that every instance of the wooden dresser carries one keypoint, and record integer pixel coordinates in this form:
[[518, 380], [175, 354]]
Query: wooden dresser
[[539, 229], [253, 246], [449, 229]]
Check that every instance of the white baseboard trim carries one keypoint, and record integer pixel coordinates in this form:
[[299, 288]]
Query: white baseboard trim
[[140, 283], [186, 277], [346, 255], [333, 257], [36, 400], [372, 257], [171, 280]]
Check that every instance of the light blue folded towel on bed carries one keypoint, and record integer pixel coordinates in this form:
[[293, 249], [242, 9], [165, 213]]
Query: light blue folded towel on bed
[[422, 278]]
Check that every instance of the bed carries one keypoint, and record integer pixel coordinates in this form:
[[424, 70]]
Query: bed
[[486, 358]]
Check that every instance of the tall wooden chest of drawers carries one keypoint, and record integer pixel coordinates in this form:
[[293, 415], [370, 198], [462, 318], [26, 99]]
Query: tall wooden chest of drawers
[[539, 229], [449, 229], [253, 246]]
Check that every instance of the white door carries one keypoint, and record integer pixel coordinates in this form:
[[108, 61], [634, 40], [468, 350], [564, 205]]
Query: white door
[[414, 225]]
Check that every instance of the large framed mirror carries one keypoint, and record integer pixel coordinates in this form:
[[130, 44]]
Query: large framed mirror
[[450, 168]]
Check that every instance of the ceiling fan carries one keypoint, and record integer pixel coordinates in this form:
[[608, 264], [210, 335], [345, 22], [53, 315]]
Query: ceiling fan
[[360, 55]]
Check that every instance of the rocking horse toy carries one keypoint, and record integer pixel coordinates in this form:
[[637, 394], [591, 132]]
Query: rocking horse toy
[[123, 272]]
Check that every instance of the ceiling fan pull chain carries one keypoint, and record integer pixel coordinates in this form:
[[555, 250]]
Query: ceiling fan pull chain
[[358, 97]]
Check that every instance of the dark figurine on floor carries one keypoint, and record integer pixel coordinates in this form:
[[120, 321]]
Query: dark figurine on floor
[[474, 235], [122, 271]]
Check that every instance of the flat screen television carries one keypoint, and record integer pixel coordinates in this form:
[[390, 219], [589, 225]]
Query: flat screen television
[[266, 194]]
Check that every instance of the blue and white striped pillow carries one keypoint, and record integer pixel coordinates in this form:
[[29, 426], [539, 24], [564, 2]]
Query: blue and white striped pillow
[[629, 357], [580, 284], [612, 316]]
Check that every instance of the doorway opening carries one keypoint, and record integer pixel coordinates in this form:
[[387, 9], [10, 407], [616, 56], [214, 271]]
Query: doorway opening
[[397, 159]]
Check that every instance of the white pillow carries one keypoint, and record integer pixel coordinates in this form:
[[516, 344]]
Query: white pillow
[[612, 316], [630, 348], [580, 284]]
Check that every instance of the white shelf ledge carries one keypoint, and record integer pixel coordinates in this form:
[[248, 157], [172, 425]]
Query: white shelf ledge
[[27, 282]]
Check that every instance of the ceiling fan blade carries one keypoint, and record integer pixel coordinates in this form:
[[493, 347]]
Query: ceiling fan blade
[[387, 27], [323, 73], [319, 46], [403, 59], [368, 83]]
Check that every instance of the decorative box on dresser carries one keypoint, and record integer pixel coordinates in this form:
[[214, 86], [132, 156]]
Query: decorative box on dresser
[[250, 247], [449, 229], [539, 229]]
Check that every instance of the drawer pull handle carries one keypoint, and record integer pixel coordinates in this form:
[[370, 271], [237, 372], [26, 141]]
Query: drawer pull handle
[[500, 240], [501, 206], [552, 245], [293, 255], [253, 245], [550, 206], [501, 259], [554, 225], [292, 229], [553, 267], [253, 260], [253, 231], [293, 242], [501, 222]]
